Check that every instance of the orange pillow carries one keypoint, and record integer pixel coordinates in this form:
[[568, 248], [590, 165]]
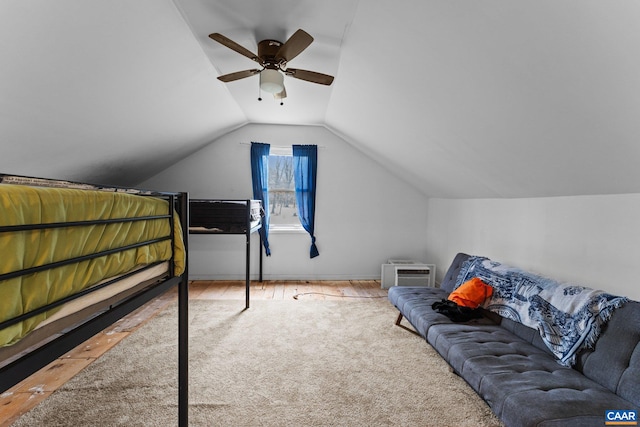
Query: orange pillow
[[471, 293]]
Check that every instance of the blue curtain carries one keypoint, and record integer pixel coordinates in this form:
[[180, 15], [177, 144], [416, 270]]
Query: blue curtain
[[305, 165], [260, 183]]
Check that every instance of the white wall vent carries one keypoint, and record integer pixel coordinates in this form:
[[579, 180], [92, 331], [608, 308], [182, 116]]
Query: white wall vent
[[407, 273], [412, 275]]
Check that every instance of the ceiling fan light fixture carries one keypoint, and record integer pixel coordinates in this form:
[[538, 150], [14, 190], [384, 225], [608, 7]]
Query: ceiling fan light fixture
[[274, 56], [271, 81]]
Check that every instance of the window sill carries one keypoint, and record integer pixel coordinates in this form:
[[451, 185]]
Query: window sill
[[286, 229]]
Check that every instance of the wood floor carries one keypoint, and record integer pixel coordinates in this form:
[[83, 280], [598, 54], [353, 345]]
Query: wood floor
[[33, 390]]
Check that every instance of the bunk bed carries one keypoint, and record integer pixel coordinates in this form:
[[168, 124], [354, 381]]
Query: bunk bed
[[78, 257], [218, 216]]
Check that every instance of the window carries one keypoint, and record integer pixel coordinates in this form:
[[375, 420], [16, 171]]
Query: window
[[283, 211], [276, 181]]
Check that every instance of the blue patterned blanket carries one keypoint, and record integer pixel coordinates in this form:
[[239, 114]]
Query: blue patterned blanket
[[568, 317]]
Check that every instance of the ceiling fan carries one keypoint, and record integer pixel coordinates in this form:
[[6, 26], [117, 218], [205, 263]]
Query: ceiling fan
[[273, 57]]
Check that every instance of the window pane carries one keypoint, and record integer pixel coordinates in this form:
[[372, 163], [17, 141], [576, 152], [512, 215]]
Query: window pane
[[282, 197]]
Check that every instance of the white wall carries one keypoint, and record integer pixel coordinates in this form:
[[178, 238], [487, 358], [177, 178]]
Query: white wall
[[364, 214], [591, 240]]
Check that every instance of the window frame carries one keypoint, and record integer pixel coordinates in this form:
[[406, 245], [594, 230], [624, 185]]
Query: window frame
[[293, 228]]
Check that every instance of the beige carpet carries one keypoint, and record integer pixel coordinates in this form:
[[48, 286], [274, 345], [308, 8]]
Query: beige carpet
[[280, 363]]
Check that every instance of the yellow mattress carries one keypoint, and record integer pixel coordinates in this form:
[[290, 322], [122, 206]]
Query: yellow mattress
[[20, 250]]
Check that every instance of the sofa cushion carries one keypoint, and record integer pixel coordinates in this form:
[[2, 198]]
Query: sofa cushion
[[475, 350], [415, 304], [555, 405], [525, 333], [507, 371]]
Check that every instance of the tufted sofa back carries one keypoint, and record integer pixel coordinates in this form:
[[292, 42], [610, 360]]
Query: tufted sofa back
[[614, 362], [449, 281], [526, 333]]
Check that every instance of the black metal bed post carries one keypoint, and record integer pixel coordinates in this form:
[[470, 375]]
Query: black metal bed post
[[183, 320], [260, 253], [248, 256]]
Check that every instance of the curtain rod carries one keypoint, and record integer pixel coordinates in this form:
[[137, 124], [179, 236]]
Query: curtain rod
[[282, 146]]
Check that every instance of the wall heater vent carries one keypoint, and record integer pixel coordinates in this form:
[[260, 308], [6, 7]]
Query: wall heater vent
[[412, 275], [407, 273]]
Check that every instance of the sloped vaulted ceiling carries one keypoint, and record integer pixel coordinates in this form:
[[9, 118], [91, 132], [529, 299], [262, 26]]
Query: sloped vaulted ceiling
[[486, 98], [496, 98], [104, 91]]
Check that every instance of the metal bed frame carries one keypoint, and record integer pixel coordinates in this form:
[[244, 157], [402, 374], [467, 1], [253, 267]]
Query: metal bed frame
[[247, 231], [27, 364]]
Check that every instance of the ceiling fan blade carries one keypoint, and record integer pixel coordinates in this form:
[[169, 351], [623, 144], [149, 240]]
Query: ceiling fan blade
[[235, 46], [298, 42], [310, 76], [238, 75]]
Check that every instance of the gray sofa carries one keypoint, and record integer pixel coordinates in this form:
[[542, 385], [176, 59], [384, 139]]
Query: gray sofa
[[512, 369]]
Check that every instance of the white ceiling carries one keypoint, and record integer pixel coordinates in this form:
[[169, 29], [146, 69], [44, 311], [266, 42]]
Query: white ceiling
[[249, 21], [483, 98]]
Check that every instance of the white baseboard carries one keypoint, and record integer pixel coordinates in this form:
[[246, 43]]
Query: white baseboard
[[283, 277]]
